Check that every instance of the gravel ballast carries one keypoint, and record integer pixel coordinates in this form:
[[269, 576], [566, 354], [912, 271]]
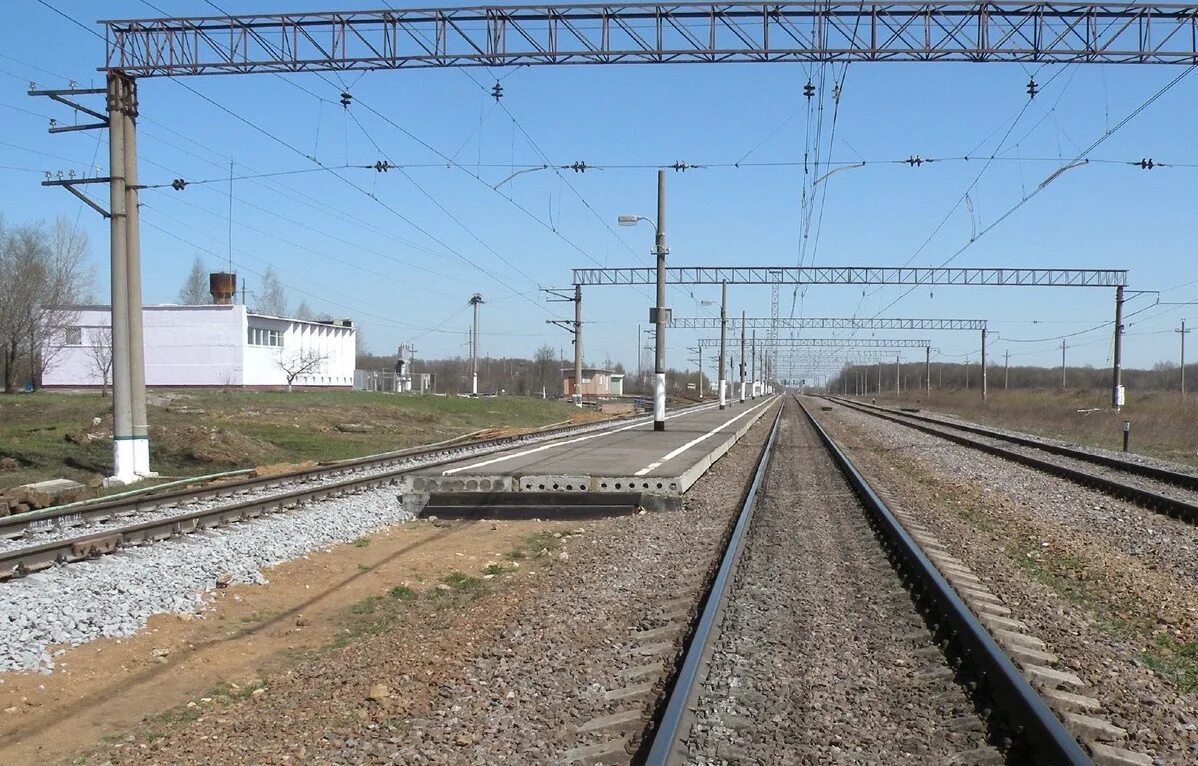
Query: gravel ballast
[[114, 596]]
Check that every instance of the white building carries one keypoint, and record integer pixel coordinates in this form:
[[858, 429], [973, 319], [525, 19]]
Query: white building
[[223, 345]]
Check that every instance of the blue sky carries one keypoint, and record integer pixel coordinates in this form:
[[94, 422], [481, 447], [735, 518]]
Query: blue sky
[[353, 254]]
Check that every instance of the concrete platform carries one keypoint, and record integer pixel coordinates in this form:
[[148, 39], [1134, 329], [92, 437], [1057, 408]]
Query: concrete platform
[[629, 457]]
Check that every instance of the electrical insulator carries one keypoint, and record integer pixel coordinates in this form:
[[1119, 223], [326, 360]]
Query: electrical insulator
[[382, 166], [346, 98], [497, 91], [809, 89], [681, 166], [915, 160], [1032, 88], [1147, 164], [178, 184], [579, 167]]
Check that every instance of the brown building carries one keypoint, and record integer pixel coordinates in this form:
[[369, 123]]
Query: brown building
[[596, 384]]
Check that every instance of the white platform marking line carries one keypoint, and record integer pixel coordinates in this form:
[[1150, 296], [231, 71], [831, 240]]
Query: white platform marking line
[[551, 445], [675, 453]]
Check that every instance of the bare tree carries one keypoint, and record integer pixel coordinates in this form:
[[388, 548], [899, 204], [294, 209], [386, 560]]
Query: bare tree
[[544, 361], [300, 363], [100, 351], [272, 301], [304, 311], [50, 266], [194, 291]]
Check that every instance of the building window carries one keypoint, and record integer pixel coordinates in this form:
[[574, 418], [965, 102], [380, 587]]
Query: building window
[[74, 336], [261, 336]]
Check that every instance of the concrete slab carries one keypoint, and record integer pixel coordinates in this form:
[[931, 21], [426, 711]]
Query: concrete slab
[[625, 458]]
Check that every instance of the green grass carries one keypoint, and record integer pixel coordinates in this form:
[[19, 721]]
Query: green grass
[[361, 542], [202, 431], [402, 592], [1176, 660]]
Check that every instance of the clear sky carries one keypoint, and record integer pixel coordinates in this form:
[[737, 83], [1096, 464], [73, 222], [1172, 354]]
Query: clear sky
[[339, 238]]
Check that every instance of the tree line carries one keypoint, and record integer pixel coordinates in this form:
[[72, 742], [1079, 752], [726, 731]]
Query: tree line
[[524, 376], [1163, 376], [44, 271]]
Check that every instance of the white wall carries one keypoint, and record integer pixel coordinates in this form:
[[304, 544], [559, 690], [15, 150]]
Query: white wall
[[185, 346], [337, 346], [209, 346]]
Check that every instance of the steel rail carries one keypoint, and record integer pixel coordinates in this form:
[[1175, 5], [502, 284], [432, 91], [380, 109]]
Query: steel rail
[[669, 729], [1154, 501], [17, 525], [1017, 701]]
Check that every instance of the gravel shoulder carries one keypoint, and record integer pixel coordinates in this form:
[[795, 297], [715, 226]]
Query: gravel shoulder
[[496, 671], [1108, 585], [243, 637], [821, 655]]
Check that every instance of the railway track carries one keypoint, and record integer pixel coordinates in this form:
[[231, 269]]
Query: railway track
[[33, 541], [1174, 493], [832, 627]]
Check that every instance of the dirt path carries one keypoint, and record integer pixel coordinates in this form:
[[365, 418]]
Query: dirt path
[[106, 689]]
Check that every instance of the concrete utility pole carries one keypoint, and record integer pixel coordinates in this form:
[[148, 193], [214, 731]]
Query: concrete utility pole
[[879, 377], [1117, 367], [985, 392], [753, 368], [475, 300], [927, 367], [699, 362], [1183, 332], [898, 373], [723, 384], [742, 357], [1006, 366], [578, 345], [659, 367]]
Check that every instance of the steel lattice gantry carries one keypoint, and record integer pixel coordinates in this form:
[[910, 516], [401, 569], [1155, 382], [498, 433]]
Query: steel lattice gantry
[[829, 323], [853, 275], [643, 33], [845, 343]]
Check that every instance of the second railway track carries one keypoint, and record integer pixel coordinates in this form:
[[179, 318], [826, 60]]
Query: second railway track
[[36, 540], [1167, 491]]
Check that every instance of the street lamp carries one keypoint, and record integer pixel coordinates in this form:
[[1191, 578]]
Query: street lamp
[[658, 315]]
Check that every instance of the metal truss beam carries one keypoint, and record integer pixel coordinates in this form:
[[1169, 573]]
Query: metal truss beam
[[624, 33], [829, 323], [853, 275], [796, 343]]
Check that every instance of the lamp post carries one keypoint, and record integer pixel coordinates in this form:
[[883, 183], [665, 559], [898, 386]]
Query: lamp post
[[658, 315]]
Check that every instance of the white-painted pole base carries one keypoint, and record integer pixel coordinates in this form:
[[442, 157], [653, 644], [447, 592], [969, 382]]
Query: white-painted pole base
[[124, 469], [474, 384], [742, 392], [141, 457], [659, 401], [723, 393]]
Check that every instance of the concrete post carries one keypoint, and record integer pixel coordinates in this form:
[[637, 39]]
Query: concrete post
[[659, 369], [137, 346], [927, 367], [753, 368], [898, 373], [1117, 366], [475, 300], [742, 357], [985, 392], [124, 462], [578, 345], [723, 384]]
